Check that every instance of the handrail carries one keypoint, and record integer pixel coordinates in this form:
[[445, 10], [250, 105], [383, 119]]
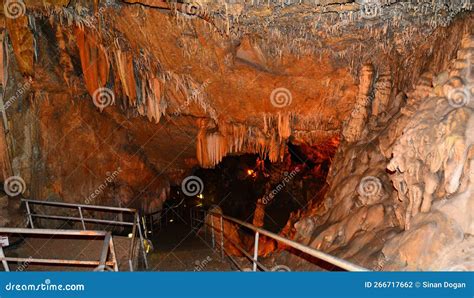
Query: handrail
[[301, 247], [341, 263], [84, 206], [134, 224], [58, 232], [101, 264], [99, 221], [162, 212]]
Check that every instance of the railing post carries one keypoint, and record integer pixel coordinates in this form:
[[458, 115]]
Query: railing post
[[113, 254], [82, 218], [142, 245], [4, 262], [104, 252], [30, 218], [151, 224], [222, 238], [255, 251], [132, 242]]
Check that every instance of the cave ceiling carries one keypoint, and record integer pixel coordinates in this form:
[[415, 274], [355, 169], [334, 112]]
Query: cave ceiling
[[188, 83]]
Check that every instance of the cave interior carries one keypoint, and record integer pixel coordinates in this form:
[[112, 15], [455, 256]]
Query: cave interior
[[346, 126]]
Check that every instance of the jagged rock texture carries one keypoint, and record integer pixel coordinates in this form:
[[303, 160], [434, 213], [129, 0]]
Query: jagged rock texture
[[400, 196]]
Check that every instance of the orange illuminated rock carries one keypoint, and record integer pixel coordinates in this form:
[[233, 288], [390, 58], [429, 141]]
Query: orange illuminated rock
[[22, 40], [94, 61]]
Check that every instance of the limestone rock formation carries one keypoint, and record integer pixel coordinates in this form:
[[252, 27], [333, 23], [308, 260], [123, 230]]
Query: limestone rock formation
[[420, 210], [114, 102]]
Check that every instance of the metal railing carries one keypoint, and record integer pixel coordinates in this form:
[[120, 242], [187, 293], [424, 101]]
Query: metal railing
[[198, 219], [159, 219], [101, 265], [135, 224]]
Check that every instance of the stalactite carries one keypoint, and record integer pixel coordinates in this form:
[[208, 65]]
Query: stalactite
[[146, 101], [265, 123], [284, 126], [201, 144], [94, 61], [3, 62], [23, 43], [153, 101], [235, 137], [124, 64], [64, 58], [34, 30], [5, 163], [216, 148], [274, 150]]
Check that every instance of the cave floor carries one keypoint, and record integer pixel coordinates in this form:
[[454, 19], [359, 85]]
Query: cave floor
[[66, 248], [178, 248]]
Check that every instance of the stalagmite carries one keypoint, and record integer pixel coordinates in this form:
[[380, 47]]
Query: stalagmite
[[383, 87], [436, 141], [355, 126]]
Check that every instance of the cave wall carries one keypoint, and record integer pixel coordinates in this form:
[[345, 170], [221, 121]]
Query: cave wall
[[400, 185]]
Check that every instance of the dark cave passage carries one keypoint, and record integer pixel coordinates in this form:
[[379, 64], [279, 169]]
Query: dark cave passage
[[239, 183], [245, 187]]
